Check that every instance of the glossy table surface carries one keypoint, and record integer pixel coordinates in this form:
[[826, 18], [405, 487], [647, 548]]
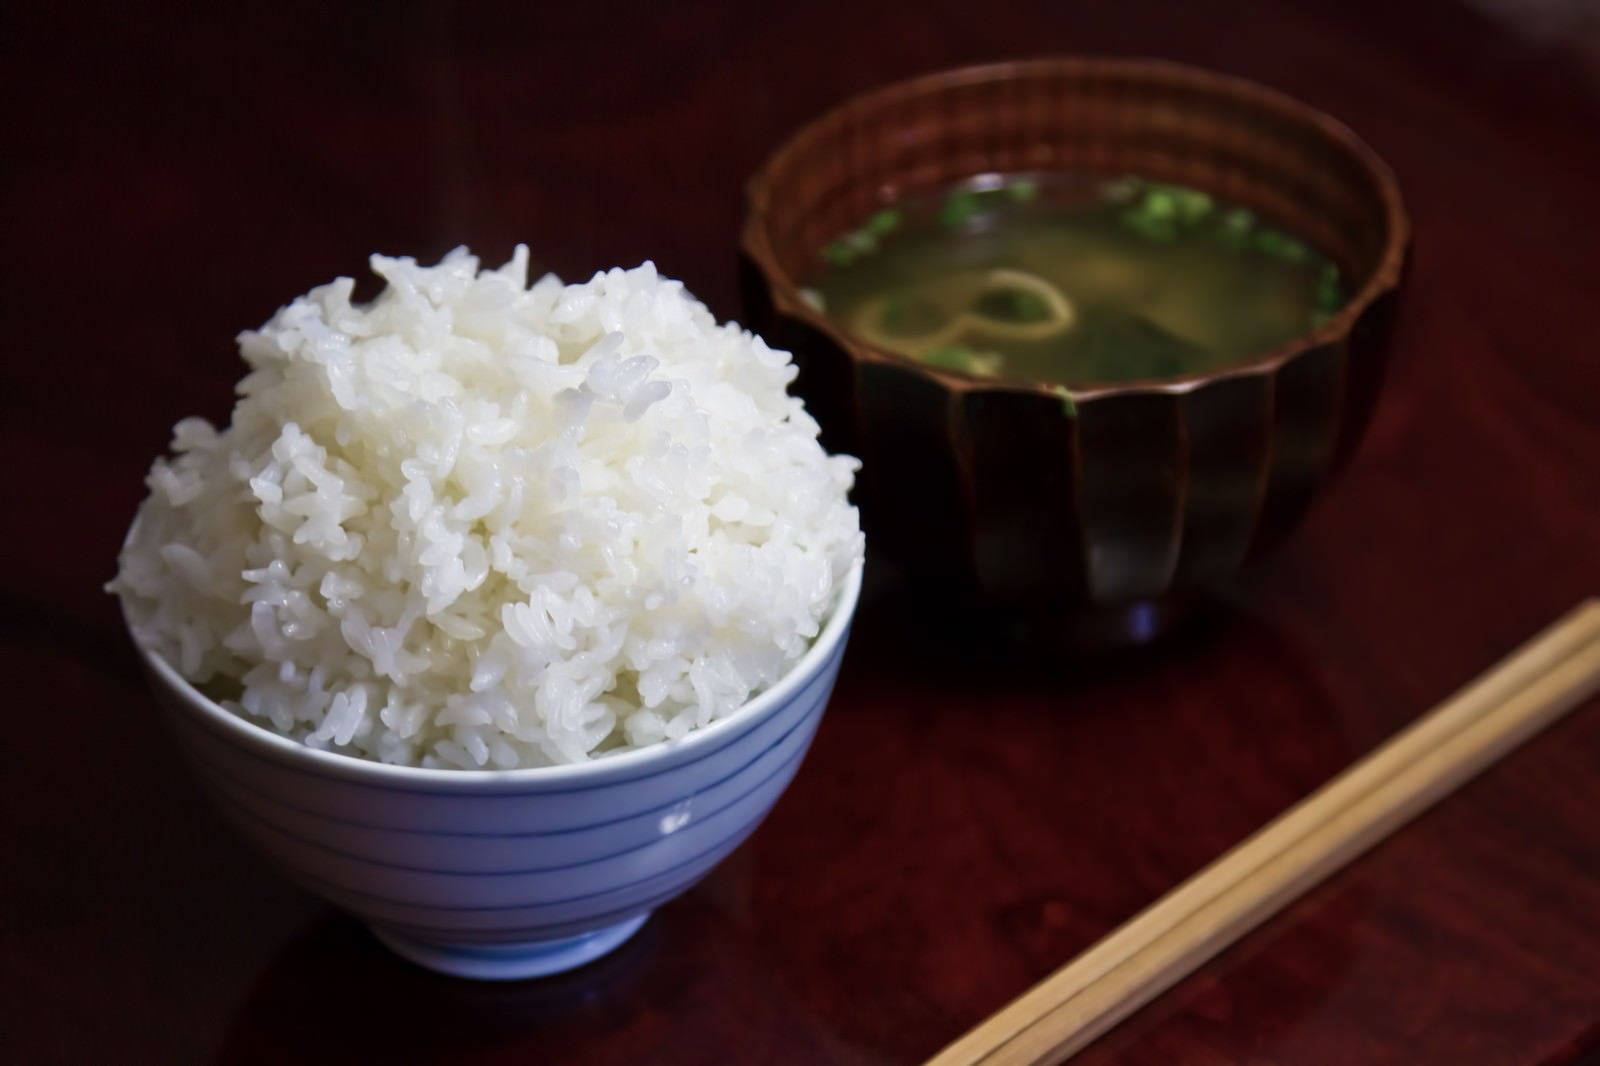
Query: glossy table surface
[[971, 816]]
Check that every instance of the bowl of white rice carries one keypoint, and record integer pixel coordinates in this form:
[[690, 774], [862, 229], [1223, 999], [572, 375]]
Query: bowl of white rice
[[499, 613]]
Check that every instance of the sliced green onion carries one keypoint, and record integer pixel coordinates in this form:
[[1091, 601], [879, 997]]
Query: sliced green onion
[[960, 206], [1069, 406], [839, 252], [1162, 230], [862, 241], [1193, 204], [1330, 293], [1270, 242], [950, 357], [1295, 251], [1239, 220], [1159, 203], [884, 222], [1023, 191]]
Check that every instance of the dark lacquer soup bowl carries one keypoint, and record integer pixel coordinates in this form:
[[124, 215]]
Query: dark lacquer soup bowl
[[1108, 505]]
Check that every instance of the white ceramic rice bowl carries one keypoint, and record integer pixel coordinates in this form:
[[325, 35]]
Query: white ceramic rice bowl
[[514, 873]]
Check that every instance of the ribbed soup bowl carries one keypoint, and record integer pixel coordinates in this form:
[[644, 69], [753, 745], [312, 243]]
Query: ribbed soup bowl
[[515, 873], [1109, 512]]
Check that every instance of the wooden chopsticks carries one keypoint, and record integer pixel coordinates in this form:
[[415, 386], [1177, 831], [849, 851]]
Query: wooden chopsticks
[[1541, 681]]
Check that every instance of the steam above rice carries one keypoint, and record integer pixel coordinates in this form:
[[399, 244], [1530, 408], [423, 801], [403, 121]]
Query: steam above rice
[[476, 524]]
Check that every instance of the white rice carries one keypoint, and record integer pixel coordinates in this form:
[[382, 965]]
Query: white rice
[[481, 525]]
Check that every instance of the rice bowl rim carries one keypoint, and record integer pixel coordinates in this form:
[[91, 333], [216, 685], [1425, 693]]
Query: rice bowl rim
[[595, 769]]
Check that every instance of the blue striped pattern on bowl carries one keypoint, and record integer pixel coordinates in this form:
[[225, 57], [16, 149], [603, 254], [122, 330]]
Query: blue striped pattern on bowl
[[508, 873]]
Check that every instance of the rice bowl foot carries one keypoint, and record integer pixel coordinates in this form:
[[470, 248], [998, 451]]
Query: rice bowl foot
[[510, 962]]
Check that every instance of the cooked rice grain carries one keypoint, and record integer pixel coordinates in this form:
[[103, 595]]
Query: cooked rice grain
[[481, 525]]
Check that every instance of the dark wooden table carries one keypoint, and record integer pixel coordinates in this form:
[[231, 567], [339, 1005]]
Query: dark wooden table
[[970, 817]]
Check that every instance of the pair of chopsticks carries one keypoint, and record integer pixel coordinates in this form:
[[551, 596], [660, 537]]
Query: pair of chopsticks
[[1548, 676]]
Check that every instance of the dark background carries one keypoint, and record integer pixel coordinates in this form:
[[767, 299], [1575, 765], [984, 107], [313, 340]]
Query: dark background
[[970, 816]]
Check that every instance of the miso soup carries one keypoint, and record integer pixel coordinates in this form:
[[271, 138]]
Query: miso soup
[[1075, 281]]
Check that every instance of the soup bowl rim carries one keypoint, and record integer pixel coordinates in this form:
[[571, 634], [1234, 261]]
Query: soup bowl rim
[[785, 291]]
